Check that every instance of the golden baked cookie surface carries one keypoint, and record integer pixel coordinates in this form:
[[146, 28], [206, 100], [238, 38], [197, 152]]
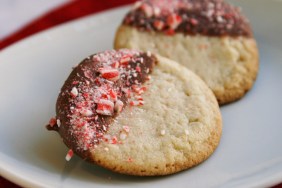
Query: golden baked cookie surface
[[178, 127]]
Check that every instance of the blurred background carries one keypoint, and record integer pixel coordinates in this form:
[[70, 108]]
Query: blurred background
[[22, 18], [14, 14]]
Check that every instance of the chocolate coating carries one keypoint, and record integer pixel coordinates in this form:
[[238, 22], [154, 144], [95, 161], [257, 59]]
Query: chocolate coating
[[82, 125], [191, 17]]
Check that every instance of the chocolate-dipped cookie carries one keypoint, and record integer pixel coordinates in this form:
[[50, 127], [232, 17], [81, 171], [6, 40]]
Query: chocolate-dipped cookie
[[210, 37], [137, 113]]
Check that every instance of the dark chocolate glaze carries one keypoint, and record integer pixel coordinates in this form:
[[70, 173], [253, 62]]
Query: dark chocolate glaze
[[203, 17], [84, 77]]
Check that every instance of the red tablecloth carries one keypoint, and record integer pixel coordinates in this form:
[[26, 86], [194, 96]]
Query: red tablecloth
[[73, 10], [70, 11]]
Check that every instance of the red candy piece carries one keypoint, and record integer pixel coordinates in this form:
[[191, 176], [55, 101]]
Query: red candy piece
[[159, 25], [52, 122], [113, 95], [115, 65], [193, 21], [147, 9], [174, 20], [105, 107], [138, 69], [125, 60], [69, 155], [170, 32], [114, 140], [86, 112], [109, 74]]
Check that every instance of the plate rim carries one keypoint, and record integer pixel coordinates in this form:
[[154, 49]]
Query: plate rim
[[20, 180], [17, 178]]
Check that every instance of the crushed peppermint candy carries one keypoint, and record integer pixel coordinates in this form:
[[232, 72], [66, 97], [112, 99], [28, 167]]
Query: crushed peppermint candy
[[147, 9], [159, 25], [58, 123], [105, 107], [74, 92], [52, 122], [86, 112], [137, 103], [69, 155], [174, 20], [109, 73], [98, 90], [205, 17], [114, 140]]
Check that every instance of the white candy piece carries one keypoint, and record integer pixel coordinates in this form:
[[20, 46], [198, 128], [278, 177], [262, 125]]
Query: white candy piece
[[86, 113], [74, 92], [58, 122]]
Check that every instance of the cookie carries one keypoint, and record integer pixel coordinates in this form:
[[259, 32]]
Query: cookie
[[137, 113], [210, 37]]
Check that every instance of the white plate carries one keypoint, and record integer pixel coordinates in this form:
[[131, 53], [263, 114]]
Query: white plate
[[32, 72]]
